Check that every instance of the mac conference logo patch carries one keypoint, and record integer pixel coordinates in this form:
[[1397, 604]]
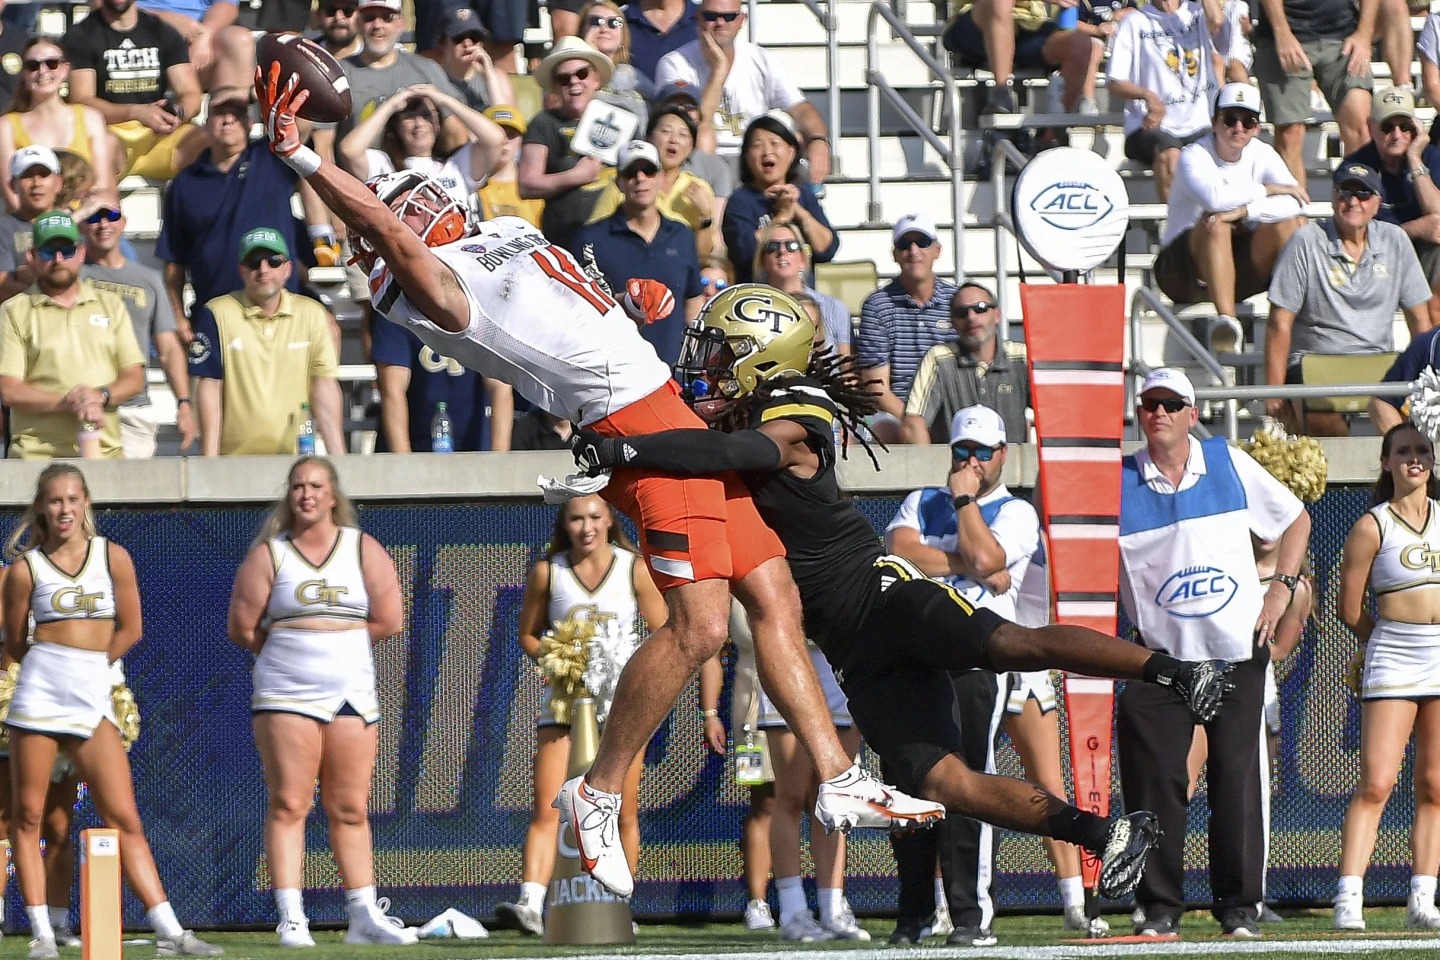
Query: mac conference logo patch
[[1072, 205]]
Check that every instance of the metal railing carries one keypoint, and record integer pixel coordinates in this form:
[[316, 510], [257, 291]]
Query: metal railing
[[1003, 154], [878, 86], [830, 23], [1145, 297]]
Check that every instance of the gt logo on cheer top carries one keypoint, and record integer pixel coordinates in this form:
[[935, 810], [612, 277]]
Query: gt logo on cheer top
[[1196, 592], [1418, 556], [1072, 206]]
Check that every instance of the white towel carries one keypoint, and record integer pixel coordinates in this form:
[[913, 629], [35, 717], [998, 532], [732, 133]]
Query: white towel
[[453, 923], [576, 485]]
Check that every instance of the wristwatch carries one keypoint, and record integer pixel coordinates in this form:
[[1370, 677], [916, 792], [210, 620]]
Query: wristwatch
[[1417, 173], [962, 501], [1287, 580]]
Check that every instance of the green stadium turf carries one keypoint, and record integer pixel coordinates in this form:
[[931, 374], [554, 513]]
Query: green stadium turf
[[1304, 933]]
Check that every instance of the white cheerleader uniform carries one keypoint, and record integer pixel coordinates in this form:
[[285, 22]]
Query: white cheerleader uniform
[[62, 690], [612, 599], [320, 674], [1402, 660]]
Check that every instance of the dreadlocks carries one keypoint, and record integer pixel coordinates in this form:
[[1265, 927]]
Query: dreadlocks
[[839, 377]]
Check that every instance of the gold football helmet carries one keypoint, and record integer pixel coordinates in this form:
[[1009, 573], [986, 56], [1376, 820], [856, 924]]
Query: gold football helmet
[[744, 334]]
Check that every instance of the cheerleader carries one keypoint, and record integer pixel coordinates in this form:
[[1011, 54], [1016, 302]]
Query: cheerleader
[[1394, 549], [81, 591], [590, 570], [311, 597]]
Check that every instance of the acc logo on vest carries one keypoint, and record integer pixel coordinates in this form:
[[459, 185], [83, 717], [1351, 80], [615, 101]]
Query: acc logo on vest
[[1196, 592]]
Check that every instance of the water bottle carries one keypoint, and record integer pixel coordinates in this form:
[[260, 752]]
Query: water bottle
[[441, 439], [305, 439]]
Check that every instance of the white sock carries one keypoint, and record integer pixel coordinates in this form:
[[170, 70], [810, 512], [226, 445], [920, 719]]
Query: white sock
[[791, 892], [162, 920], [289, 903], [1351, 886], [832, 903], [360, 902], [60, 916], [848, 777], [1422, 886], [40, 927], [532, 895], [1072, 892], [940, 900]]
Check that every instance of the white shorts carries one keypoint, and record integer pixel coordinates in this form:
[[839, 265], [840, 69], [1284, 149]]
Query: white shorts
[[1035, 683], [1402, 662], [315, 673], [769, 716], [63, 691], [1272, 701], [745, 694]]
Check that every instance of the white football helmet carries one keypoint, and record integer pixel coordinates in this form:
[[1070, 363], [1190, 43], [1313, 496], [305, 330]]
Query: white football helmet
[[408, 193]]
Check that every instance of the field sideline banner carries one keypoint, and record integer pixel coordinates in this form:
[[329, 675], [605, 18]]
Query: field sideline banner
[[452, 788]]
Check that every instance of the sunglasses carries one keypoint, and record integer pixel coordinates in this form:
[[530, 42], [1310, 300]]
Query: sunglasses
[[962, 453], [773, 247], [962, 310], [1347, 193], [274, 262], [63, 252], [565, 79], [924, 243], [1245, 118], [711, 16], [49, 63], [103, 216], [1390, 126], [708, 282], [389, 16], [614, 23], [1171, 404], [327, 12]]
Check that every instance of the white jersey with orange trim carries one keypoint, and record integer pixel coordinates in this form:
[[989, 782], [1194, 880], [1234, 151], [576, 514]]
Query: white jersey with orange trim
[[537, 322]]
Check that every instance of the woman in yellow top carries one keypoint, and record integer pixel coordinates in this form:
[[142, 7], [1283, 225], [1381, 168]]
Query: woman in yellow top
[[39, 116]]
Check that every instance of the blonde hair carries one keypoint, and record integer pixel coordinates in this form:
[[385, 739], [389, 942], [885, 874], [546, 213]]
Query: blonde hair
[[282, 517], [623, 54], [32, 530], [766, 235]]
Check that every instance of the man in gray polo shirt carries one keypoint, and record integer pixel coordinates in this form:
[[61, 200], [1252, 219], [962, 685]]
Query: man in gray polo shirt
[[1335, 291]]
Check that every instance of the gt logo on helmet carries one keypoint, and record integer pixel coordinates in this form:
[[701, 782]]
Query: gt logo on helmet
[[762, 309]]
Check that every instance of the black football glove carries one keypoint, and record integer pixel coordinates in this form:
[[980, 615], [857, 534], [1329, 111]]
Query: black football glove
[[594, 452]]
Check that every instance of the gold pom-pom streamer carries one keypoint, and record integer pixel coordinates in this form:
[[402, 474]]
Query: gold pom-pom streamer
[[7, 692], [127, 714], [1297, 462], [564, 655]]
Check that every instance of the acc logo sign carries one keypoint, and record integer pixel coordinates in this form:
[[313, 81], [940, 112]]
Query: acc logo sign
[[1072, 206], [1196, 592]]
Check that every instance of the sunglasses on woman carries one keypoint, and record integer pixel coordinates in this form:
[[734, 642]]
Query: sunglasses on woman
[[614, 23], [565, 79], [49, 63], [1245, 118], [711, 283], [773, 247]]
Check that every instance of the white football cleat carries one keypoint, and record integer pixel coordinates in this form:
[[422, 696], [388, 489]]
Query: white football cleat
[[594, 817], [860, 800]]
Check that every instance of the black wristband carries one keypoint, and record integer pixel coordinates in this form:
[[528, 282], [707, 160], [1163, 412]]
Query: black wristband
[[962, 501], [1286, 580], [181, 401]]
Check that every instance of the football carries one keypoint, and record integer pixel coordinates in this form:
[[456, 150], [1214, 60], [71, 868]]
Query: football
[[319, 73]]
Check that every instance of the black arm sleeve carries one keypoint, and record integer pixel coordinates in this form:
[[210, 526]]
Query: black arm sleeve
[[701, 453]]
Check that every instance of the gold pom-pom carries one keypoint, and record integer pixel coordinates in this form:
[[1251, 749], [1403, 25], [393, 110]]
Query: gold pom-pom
[[8, 679], [127, 714], [1297, 462], [564, 655]]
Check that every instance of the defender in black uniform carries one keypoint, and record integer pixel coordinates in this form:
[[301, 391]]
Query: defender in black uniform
[[750, 368]]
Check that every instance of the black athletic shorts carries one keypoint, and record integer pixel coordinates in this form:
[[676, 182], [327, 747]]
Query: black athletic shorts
[[895, 669]]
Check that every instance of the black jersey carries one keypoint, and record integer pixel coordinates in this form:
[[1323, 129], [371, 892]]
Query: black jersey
[[830, 544]]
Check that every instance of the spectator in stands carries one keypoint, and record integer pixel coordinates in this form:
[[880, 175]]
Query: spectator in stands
[[135, 68], [252, 379], [339, 28], [739, 83], [1162, 66], [68, 354], [1408, 165], [1324, 44], [235, 185], [500, 196], [36, 182], [39, 115], [569, 183], [657, 27], [1428, 46], [702, 160], [1000, 35], [975, 368], [1232, 208], [414, 380], [222, 52], [716, 273], [1395, 39], [1335, 290], [1422, 354], [901, 321], [603, 27], [1098, 20], [502, 20], [637, 240], [408, 128], [782, 259], [771, 189], [102, 223], [463, 57], [13, 38]]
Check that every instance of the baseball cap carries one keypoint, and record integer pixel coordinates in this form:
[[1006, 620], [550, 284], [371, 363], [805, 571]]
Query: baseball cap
[[678, 88], [54, 225], [392, 5], [1168, 378], [979, 425], [1357, 173], [1240, 95], [777, 122], [914, 223], [507, 117], [263, 238], [1393, 102], [35, 155], [460, 21], [636, 151]]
